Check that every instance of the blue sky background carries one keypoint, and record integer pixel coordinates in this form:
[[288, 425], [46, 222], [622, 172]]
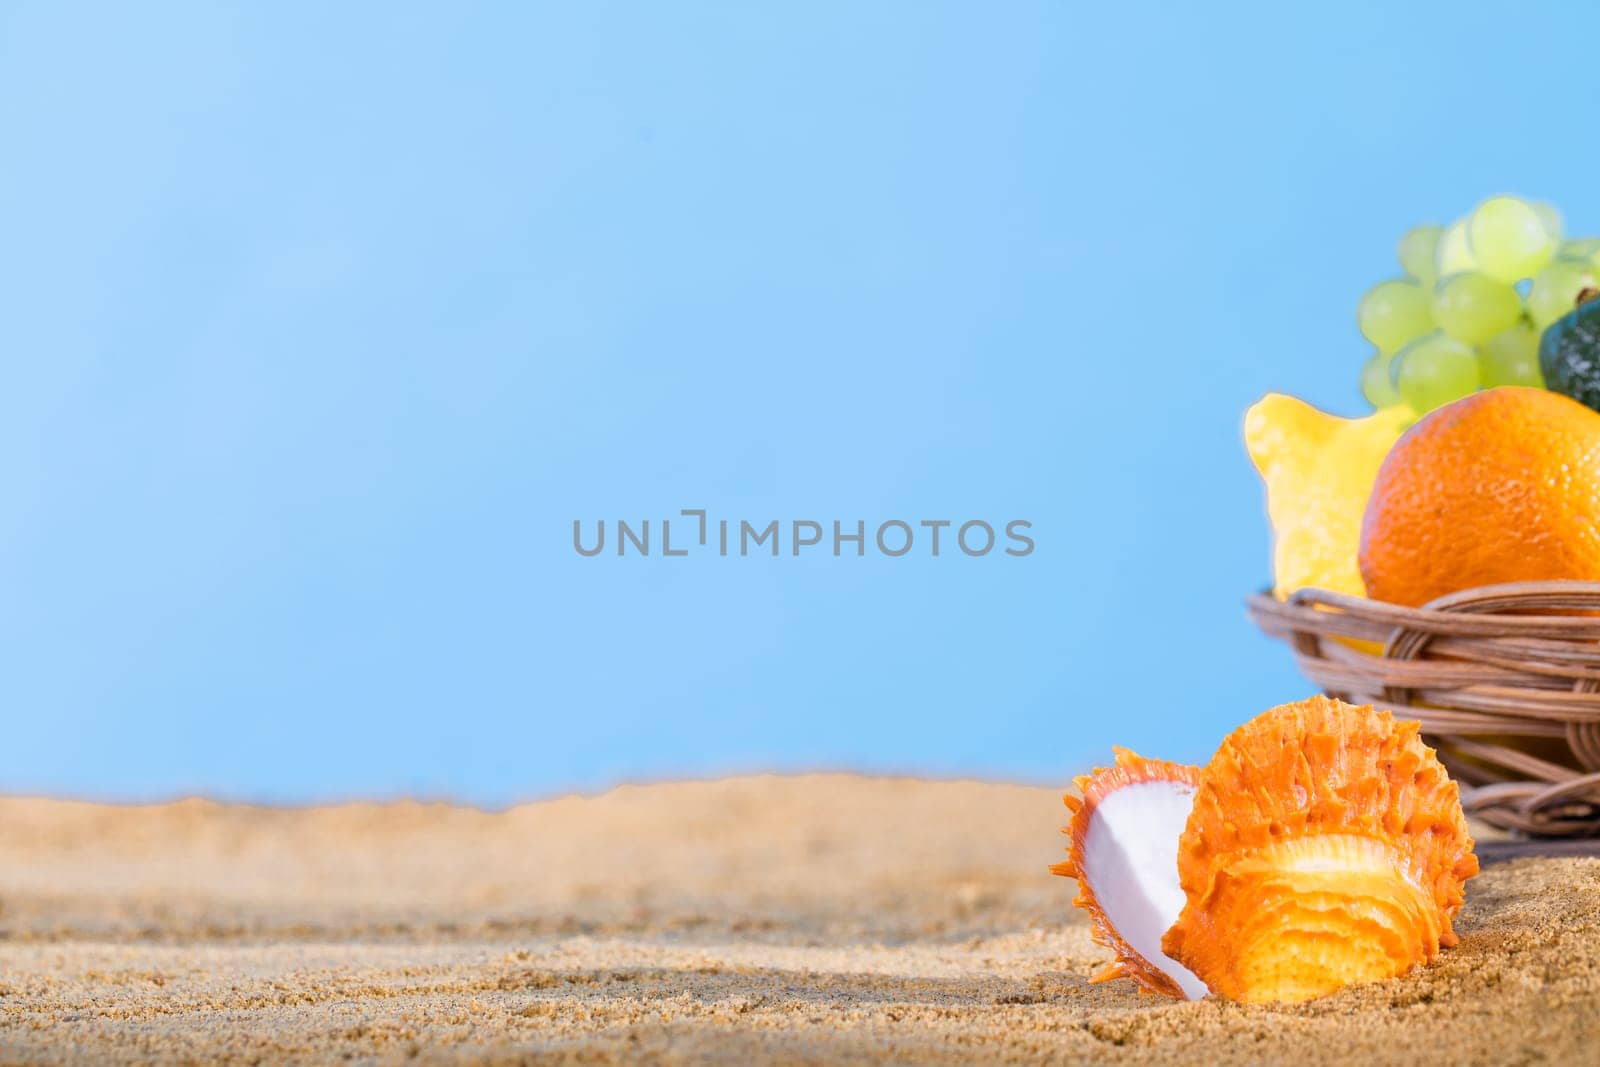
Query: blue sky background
[[321, 323]]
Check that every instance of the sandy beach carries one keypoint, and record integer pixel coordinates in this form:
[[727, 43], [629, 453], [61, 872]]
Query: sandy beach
[[783, 919]]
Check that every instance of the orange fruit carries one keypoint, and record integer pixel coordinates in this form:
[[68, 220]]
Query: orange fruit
[[1500, 486]]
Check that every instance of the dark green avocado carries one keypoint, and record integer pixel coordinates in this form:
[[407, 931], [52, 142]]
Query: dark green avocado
[[1569, 352]]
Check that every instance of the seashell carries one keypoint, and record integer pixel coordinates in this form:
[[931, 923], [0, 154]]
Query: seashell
[[1326, 846], [1124, 854]]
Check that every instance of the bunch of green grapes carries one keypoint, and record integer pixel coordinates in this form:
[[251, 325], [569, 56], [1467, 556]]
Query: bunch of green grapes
[[1476, 297]]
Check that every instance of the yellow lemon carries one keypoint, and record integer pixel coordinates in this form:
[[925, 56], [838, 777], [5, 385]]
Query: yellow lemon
[[1319, 470]]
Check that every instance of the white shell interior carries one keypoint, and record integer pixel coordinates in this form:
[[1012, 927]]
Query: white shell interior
[[1130, 860]]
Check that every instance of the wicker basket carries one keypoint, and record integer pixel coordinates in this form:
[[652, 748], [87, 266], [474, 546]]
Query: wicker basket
[[1505, 680]]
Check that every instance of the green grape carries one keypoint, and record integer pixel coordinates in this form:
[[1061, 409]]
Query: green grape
[[1509, 239], [1550, 215], [1555, 289], [1511, 357], [1473, 307], [1393, 313], [1418, 250], [1435, 370], [1454, 253], [1376, 384], [1582, 248]]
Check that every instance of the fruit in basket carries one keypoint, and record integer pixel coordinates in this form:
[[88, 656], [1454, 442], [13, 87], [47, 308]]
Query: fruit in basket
[[1318, 469], [1555, 289], [1454, 253], [1124, 833], [1394, 313], [1322, 845], [1501, 486], [1418, 253], [1377, 382], [1569, 354], [1473, 307], [1473, 293], [1511, 357], [1511, 238], [1434, 370], [1326, 847]]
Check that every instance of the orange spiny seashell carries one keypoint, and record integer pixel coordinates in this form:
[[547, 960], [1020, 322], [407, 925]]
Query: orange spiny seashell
[[1326, 846], [1123, 853]]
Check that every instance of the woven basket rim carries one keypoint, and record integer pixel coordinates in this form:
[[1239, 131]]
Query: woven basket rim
[[1505, 680]]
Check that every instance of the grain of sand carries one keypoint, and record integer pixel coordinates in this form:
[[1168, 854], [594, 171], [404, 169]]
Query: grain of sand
[[770, 919]]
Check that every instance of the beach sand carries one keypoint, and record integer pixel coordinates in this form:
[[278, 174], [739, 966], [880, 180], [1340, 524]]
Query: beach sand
[[762, 919]]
